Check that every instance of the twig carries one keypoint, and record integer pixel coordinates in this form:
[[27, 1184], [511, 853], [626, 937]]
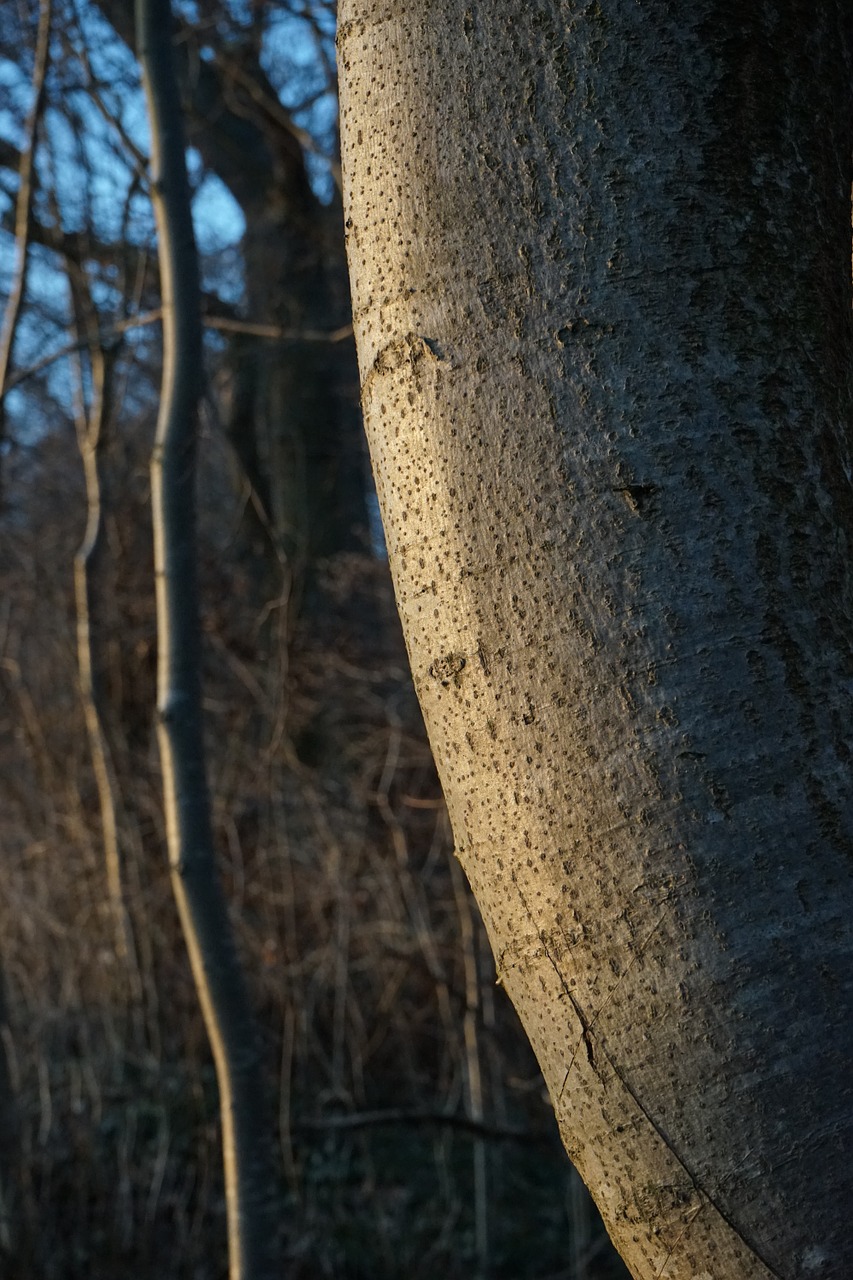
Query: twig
[[24, 206], [399, 1115], [223, 324], [92, 422]]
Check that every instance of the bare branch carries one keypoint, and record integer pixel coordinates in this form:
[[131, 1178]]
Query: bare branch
[[92, 421], [270, 106], [346, 1123], [24, 204]]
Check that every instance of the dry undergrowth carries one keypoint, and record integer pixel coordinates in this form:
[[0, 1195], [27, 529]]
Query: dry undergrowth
[[413, 1135]]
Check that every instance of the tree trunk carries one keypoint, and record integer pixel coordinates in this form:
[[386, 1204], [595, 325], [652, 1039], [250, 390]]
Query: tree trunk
[[310, 444], [600, 258], [291, 420], [251, 1189]]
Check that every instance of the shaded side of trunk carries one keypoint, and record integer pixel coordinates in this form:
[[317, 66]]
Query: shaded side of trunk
[[250, 1176], [600, 259]]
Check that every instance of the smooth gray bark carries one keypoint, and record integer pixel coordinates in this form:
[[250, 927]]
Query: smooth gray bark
[[251, 1186], [600, 257]]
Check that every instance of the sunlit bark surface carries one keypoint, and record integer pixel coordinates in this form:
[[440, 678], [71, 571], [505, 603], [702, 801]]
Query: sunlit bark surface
[[600, 258]]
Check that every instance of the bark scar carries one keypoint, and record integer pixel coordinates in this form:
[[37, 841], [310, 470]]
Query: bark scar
[[638, 497], [587, 1026], [586, 1023], [406, 352], [682, 1233], [484, 658], [447, 669]]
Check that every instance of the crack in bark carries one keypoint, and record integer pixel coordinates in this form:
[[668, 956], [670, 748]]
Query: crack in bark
[[588, 1026], [586, 1038], [678, 1239]]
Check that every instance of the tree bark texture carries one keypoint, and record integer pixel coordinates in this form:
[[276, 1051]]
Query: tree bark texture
[[600, 258], [251, 1185]]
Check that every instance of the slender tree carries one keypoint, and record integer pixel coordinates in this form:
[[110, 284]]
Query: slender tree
[[92, 417], [290, 411], [250, 1178], [290, 414], [600, 257]]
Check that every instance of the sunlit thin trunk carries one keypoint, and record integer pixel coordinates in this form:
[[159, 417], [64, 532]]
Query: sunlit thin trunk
[[250, 1177]]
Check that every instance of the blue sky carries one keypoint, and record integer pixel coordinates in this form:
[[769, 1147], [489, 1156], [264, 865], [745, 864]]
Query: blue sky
[[84, 159]]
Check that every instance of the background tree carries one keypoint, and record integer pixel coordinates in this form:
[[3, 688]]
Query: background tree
[[250, 1173], [602, 295], [290, 413]]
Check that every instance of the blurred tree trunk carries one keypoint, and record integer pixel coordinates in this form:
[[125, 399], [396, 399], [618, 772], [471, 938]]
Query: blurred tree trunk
[[601, 273], [250, 1176], [292, 414]]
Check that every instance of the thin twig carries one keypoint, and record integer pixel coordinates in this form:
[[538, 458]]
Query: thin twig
[[401, 1116], [224, 324], [473, 1074], [24, 206]]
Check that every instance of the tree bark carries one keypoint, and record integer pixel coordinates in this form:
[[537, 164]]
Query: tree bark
[[250, 1175], [600, 258]]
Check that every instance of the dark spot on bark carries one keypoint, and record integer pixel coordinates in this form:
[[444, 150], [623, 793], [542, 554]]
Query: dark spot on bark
[[447, 669], [638, 497]]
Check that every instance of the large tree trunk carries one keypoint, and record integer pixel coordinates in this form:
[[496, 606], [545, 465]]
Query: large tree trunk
[[600, 257]]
